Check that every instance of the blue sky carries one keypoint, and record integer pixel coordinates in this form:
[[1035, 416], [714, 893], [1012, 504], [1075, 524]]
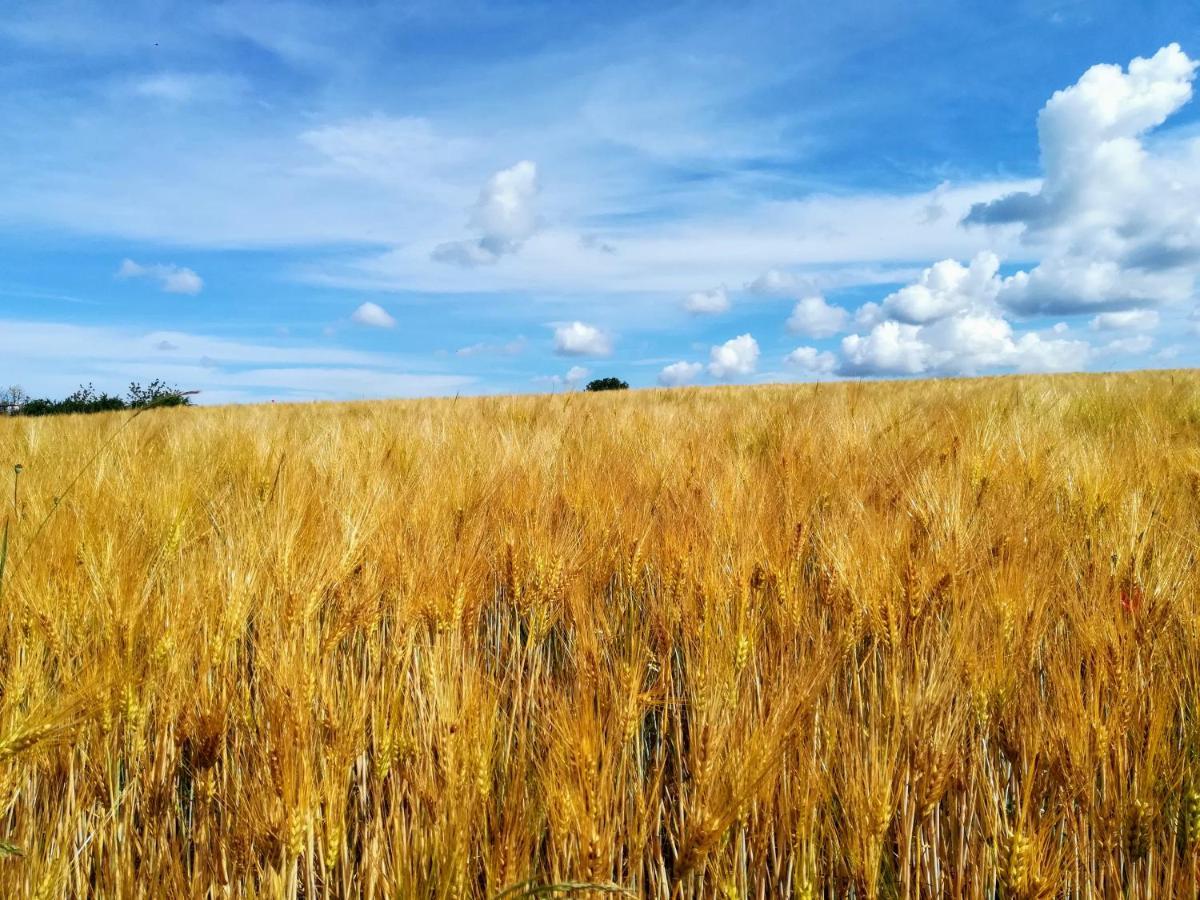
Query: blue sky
[[295, 201]]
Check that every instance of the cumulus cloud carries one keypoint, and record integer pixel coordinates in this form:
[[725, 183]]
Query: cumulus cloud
[[503, 216], [949, 322], [811, 361], [1126, 320], [945, 288], [679, 373], [964, 344], [373, 315], [169, 277], [737, 356], [816, 318], [1116, 223], [707, 302], [581, 339], [890, 348]]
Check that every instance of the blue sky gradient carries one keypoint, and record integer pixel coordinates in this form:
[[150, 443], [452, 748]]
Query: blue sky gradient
[[211, 192]]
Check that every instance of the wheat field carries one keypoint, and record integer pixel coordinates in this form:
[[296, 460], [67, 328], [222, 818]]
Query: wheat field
[[870, 640]]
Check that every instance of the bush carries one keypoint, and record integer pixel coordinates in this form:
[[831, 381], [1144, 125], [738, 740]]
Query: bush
[[608, 384]]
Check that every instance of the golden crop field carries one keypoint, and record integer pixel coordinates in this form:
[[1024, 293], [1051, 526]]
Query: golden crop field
[[870, 640]]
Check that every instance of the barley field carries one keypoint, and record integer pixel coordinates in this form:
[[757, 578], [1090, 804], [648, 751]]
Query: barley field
[[936, 639]]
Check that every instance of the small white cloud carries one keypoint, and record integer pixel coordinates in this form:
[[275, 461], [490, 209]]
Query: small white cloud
[[581, 339], [816, 318], [1139, 343], [503, 216], [373, 315], [1126, 320], [811, 361], [679, 373], [737, 356], [707, 302], [576, 374], [170, 278]]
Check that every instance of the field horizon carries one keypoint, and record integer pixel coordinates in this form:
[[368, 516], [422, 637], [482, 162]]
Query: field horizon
[[886, 639]]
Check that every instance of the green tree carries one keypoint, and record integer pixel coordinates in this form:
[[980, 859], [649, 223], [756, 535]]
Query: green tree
[[607, 384]]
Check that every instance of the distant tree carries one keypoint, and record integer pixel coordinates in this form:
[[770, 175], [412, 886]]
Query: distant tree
[[607, 384], [87, 400], [12, 399]]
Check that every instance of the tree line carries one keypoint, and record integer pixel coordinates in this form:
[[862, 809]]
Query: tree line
[[86, 399]]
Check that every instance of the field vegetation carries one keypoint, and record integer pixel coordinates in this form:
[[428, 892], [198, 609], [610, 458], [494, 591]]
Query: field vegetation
[[870, 640]]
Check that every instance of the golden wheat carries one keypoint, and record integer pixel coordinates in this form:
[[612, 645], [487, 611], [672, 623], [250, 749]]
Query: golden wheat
[[908, 639]]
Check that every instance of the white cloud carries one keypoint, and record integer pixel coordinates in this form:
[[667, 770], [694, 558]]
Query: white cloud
[[504, 217], [811, 361], [737, 356], [707, 302], [679, 373], [1126, 320], [1078, 284], [943, 289], [1115, 222], [964, 344], [816, 318], [1137, 344], [581, 339], [373, 315], [170, 278], [890, 348]]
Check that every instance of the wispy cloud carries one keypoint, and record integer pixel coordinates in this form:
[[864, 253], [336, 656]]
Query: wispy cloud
[[52, 357], [169, 277]]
